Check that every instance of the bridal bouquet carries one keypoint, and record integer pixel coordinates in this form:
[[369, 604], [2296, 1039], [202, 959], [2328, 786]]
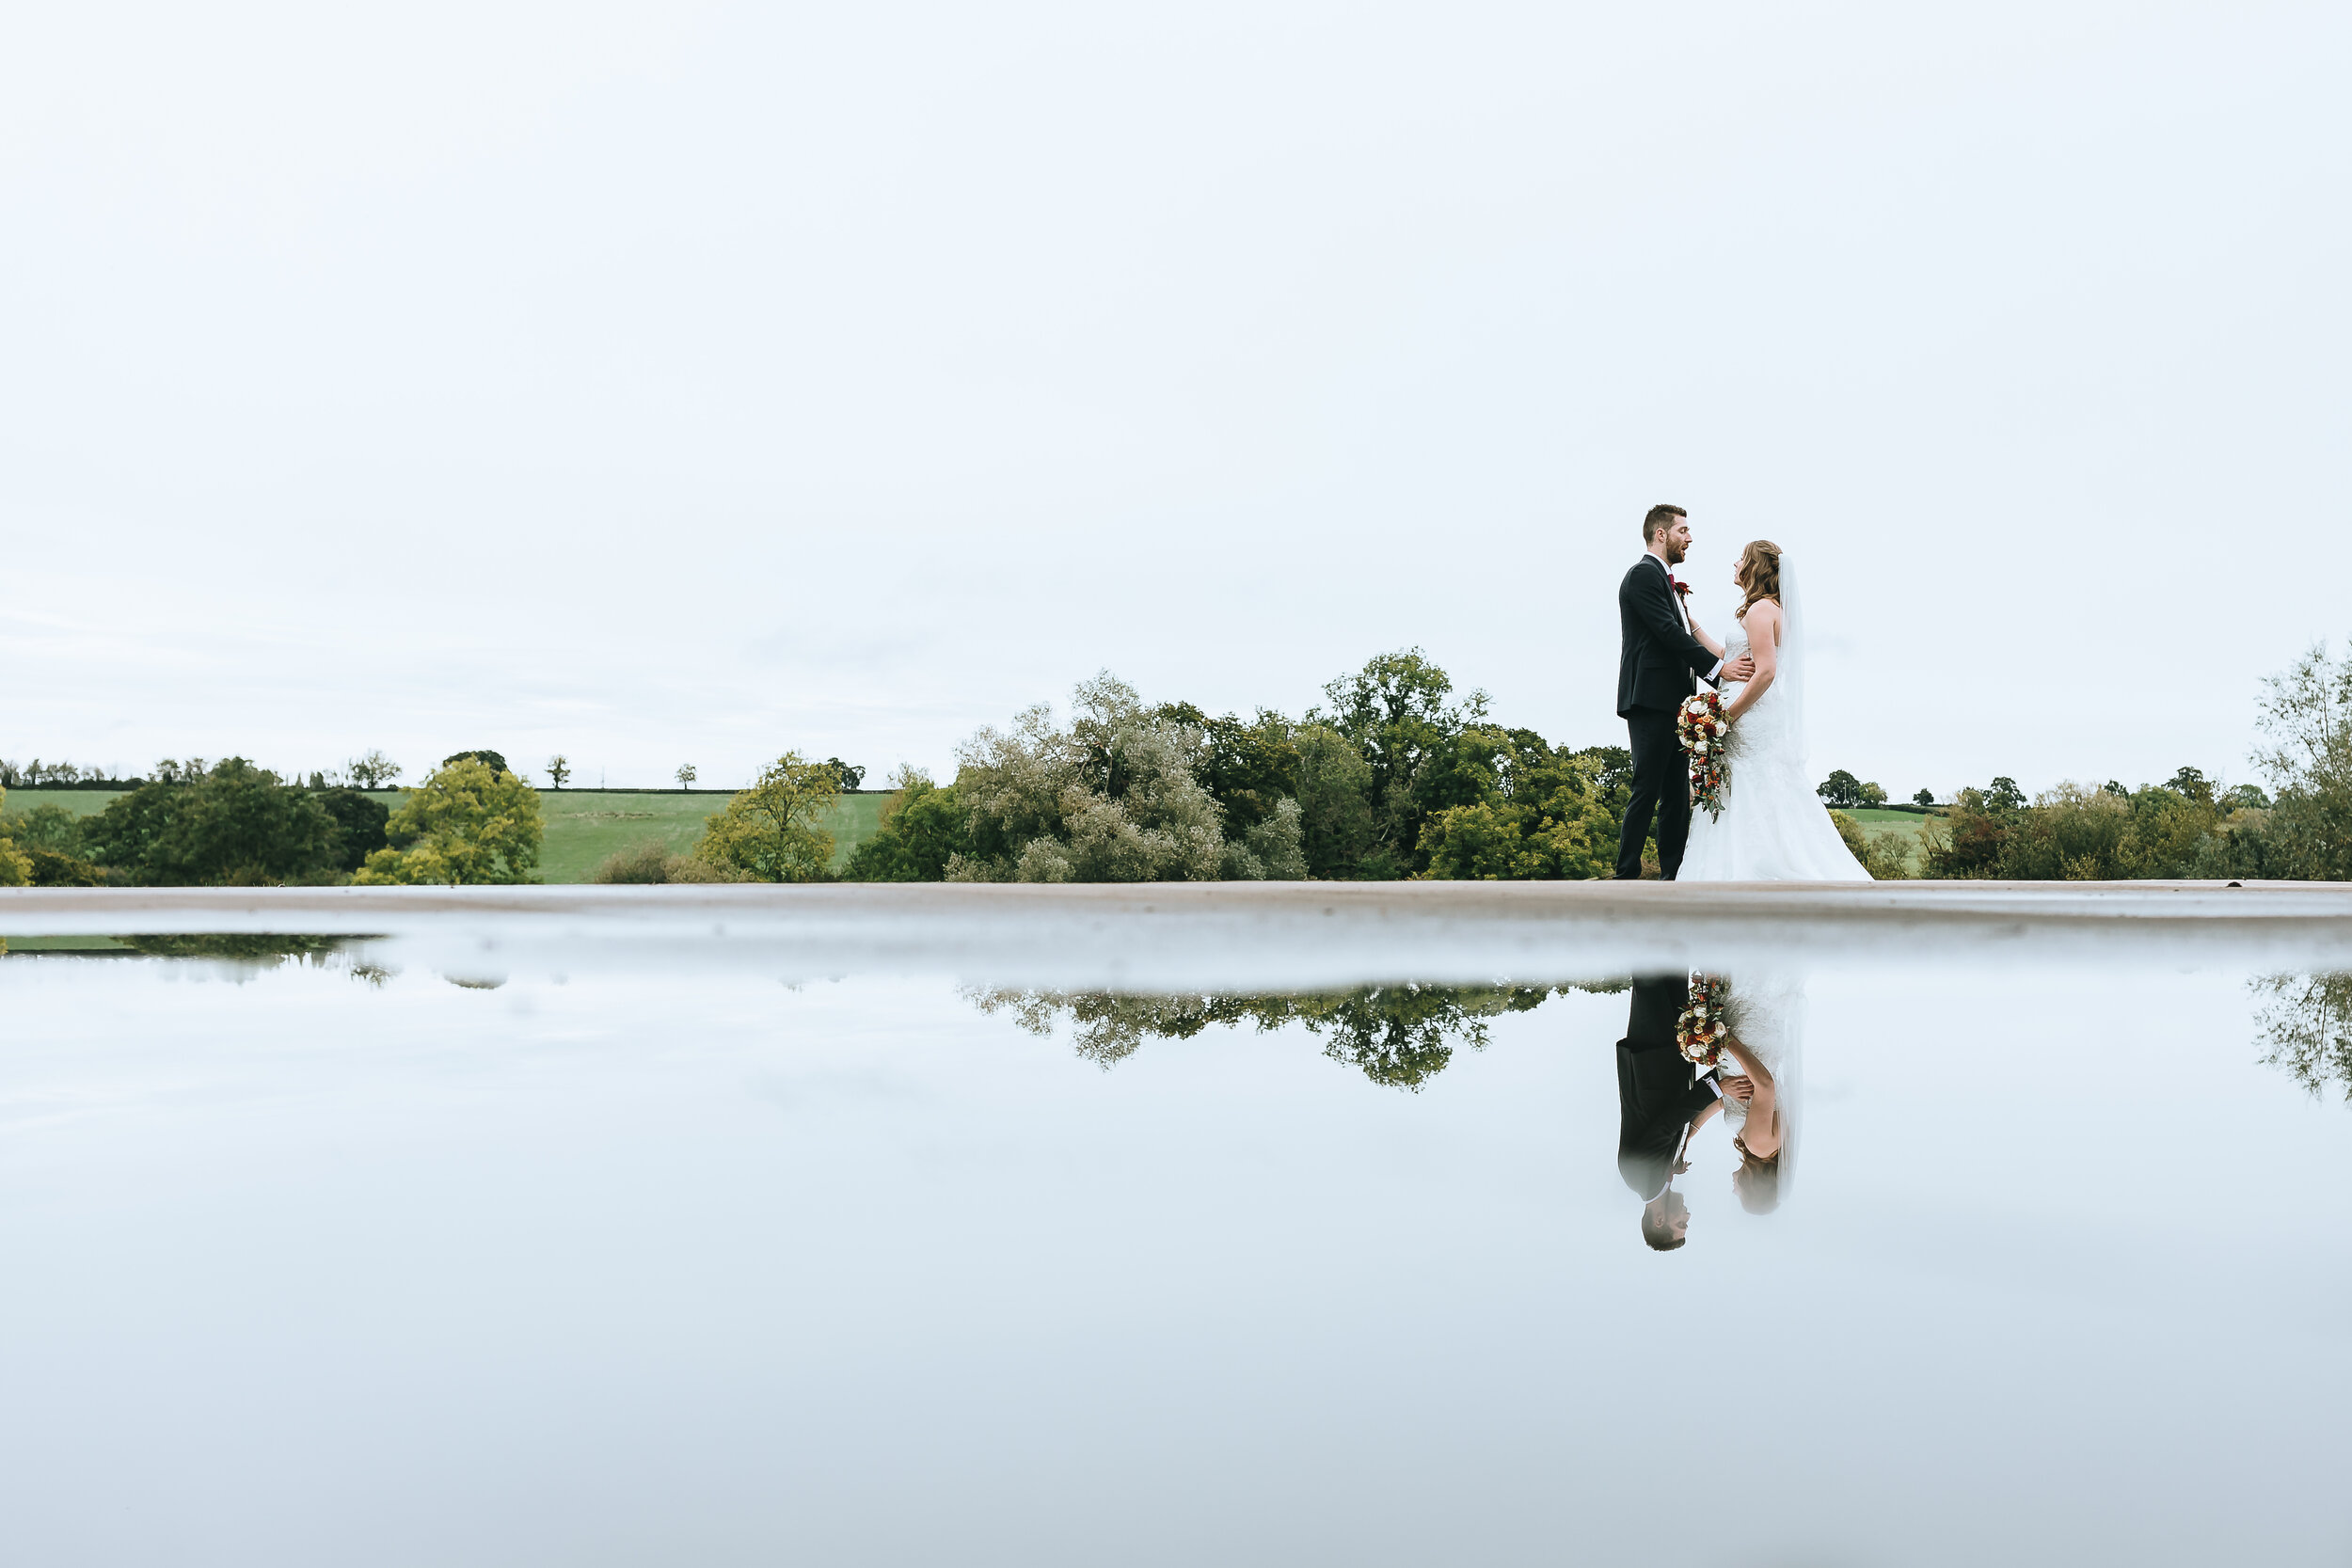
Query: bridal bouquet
[[1701, 727], [1700, 1031]]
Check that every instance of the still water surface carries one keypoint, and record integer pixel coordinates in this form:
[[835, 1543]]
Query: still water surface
[[312, 1263]]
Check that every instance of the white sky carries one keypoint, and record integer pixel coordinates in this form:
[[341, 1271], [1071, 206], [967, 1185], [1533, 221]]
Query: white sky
[[661, 385]]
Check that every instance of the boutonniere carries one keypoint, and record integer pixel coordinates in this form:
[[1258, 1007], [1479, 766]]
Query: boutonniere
[[1681, 587]]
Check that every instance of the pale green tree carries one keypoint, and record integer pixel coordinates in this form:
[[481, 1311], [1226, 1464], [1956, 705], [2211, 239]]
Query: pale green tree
[[1115, 798], [771, 831], [467, 823], [16, 866]]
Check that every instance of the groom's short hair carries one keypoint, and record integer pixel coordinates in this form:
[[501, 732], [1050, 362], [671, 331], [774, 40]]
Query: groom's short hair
[[1657, 520], [1658, 1223]]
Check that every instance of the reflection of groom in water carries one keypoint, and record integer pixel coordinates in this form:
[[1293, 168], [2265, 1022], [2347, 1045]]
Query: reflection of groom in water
[[1658, 1096]]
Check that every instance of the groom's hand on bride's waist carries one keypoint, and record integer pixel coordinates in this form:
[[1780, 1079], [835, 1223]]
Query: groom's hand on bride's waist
[[1740, 669]]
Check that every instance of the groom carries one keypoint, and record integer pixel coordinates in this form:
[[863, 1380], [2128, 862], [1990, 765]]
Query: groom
[[1656, 663]]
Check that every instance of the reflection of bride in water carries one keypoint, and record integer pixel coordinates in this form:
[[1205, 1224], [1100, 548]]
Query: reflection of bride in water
[[1760, 1102]]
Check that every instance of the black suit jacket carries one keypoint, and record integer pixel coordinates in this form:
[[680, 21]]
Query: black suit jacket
[[1657, 1091], [1657, 660]]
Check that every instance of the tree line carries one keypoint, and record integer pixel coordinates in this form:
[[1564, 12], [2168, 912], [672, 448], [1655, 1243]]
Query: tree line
[[233, 823], [1391, 776]]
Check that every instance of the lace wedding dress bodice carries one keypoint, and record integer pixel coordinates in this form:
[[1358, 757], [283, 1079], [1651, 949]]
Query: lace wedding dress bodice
[[1773, 828], [1763, 730]]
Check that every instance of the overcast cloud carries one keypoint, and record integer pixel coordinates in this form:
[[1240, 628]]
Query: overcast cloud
[[659, 385]]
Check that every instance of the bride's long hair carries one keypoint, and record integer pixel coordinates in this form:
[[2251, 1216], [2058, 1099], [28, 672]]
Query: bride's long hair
[[1759, 574], [1758, 1181]]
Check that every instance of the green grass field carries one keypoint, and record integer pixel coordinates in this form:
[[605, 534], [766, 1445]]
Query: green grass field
[[81, 802], [1901, 825], [581, 828]]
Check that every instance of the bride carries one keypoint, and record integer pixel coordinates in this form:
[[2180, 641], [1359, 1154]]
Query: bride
[[1773, 828]]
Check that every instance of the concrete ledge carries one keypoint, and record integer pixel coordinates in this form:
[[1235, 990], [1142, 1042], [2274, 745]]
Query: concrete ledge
[[1256, 935]]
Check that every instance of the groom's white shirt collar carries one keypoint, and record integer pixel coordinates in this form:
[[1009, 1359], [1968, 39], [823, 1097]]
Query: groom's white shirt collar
[[1682, 611]]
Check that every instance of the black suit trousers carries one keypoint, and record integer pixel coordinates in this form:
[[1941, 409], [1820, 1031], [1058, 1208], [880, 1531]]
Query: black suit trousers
[[1662, 787]]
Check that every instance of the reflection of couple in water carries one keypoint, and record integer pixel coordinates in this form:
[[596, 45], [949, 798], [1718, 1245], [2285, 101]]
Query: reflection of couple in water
[[1663, 1098]]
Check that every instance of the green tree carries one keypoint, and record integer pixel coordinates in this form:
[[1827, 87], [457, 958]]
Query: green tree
[[52, 869], [1840, 789], [559, 769], [16, 867], [361, 825], [123, 835], [1611, 768], [373, 772], [2306, 721], [234, 825], [1872, 795], [491, 760], [1538, 813], [771, 829], [1248, 767], [1114, 797], [1338, 822], [468, 823], [923, 827], [47, 826], [1395, 713], [1925, 797], [685, 775], [2072, 832]]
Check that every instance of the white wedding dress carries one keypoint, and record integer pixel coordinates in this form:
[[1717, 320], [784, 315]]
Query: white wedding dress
[[1767, 1015], [1773, 828]]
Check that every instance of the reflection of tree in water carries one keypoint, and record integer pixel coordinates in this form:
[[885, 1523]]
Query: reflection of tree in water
[[255, 949], [257, 952], [2306, 1019], [1401, 1036]]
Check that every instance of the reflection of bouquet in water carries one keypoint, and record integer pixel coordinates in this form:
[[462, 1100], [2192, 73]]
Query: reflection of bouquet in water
[[1705, 1021], [1701, 727]]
